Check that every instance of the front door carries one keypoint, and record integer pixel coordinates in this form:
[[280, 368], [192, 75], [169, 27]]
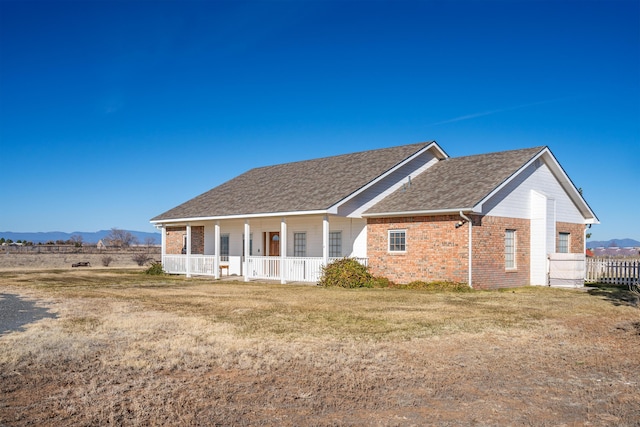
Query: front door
[[274, 243]]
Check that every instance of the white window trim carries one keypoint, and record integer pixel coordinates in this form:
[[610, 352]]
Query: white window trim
[[389, 232], [305, 243], [515, 250], [568, 242], [228, 236], [341, 235]]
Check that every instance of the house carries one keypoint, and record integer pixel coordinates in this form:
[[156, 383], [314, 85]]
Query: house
[[409, 212]]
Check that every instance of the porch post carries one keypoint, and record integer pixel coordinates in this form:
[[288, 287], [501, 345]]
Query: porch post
[[216, 245], [283, 248], [325, 240], [188, 250], [245, 266]]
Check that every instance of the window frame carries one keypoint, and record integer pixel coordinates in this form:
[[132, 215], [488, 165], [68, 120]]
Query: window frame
[[222, 247], [335, 249], [300, 244], [564, 243], [510, 249], [393, 245], [250, 244]]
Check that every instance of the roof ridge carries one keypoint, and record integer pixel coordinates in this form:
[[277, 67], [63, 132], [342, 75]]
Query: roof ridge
[[315, 159], [539, 148]]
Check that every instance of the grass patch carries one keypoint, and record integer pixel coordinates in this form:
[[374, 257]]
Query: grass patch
[[137, 349]]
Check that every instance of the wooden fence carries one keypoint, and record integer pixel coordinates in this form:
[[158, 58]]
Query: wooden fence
[[617, 271], [71, 249]]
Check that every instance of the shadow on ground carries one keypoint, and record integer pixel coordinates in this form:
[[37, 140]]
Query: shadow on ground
[[15, 312], [616, 294]]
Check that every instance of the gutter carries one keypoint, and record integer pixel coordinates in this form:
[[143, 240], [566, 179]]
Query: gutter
[[466, 218], [451, 211]]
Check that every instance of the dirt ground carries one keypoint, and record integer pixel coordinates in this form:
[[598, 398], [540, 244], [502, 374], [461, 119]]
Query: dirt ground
[[128, 349]]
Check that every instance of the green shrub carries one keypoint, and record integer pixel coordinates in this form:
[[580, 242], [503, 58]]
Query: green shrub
[[155, 269], [382, 282], [346, 273]]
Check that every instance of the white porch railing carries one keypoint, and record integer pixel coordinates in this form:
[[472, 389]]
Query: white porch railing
[[202, 265], [295, 269], [174, 264]]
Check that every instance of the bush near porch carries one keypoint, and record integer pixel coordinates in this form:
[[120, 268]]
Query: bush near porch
[[349, 273]]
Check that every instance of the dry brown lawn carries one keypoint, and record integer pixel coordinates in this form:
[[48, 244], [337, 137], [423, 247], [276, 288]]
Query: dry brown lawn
[[131, 349]]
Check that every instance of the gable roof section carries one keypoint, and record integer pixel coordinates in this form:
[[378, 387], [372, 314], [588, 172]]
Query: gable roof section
[[311, 185], [456, 184]]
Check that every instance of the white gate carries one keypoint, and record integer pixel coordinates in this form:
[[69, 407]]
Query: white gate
[[566, 270]]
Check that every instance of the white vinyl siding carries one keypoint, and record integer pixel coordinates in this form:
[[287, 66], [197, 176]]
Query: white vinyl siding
[[541, 223], [353, 230], [513, 201], [381, 189]]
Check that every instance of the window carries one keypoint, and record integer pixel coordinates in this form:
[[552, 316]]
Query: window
[[563, 243], [224, 245], [250, 244], [397, 240], [335, 244], [299, 244], [510, 249]]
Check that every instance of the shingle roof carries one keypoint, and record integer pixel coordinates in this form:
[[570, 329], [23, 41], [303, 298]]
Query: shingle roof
[[455, 183], [292, 187]]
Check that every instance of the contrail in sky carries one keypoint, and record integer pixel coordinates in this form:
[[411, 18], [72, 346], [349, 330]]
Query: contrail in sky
[[488, 113]]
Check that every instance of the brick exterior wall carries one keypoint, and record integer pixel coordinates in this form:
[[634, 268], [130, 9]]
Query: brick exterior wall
[[197, 240], [175, 240], [435, 249], [576, 238], [488, 262]]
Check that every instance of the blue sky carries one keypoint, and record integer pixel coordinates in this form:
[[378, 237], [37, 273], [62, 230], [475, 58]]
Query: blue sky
[[113, 112]]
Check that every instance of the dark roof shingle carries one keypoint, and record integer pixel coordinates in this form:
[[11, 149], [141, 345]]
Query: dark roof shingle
[[455, 183], [291, 187]]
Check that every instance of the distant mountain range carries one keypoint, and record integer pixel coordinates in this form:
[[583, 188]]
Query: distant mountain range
[[87, 237], [621, 243]]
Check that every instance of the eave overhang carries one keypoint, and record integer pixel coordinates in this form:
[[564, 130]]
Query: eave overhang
[[238, 216], [454, 211], [556, 169]]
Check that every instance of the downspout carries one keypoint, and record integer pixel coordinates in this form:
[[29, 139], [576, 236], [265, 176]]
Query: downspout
[[466, 218], [584, 251]]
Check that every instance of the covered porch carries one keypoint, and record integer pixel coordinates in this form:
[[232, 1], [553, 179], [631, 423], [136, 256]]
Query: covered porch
[[289, 269], [288, 249]]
